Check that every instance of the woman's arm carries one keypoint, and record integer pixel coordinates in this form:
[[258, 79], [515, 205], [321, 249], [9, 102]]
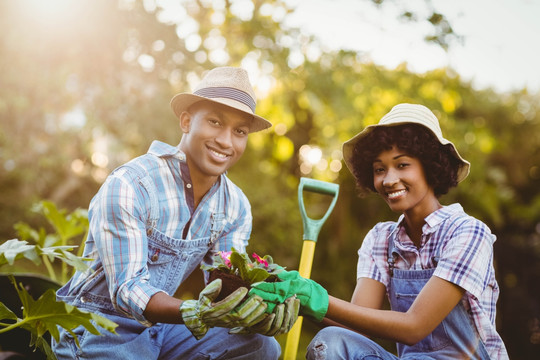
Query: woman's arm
[[368, 293], [432, 305]]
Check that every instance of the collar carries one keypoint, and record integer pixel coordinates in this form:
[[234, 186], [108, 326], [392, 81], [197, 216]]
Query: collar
[[434, 219], [162, 149]]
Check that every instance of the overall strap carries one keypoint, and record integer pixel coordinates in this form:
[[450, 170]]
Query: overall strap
[[218, 214], [391, 256]]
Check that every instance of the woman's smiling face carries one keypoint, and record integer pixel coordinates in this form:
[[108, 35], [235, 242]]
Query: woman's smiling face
[[400, 180]]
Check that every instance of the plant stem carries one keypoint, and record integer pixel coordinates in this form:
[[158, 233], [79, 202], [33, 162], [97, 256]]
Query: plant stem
[[80, 250], [11, 326], [49, 267]]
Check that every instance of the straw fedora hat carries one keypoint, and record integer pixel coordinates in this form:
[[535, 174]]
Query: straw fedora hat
[[407, 114], [225, 85]]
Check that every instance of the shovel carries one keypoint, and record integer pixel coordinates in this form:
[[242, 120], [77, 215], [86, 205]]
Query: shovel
[[312, 227]]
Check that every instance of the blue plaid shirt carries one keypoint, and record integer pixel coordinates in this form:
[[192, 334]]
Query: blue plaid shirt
[[460, 247], [118, 217]]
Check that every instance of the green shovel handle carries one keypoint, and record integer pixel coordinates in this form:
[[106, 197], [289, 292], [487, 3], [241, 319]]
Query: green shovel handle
[[312, 227]]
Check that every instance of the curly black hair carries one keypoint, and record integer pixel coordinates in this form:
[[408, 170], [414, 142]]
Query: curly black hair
[[439, 161]]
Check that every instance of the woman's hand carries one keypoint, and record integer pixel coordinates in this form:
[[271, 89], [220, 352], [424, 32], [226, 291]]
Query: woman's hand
[[313, 297]]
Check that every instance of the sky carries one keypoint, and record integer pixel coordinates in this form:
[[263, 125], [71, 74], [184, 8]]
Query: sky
[[500, 47]]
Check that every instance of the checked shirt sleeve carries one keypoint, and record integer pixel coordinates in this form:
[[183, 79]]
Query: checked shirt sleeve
[[372, 255], [467, 257], [118, 227]]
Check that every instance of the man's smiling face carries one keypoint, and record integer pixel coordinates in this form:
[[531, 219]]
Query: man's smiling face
[[215, 137]]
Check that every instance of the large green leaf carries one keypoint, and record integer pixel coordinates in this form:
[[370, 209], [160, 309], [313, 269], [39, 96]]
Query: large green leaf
[[75, 261], [15, 249], [257, 275], [67, 226], [240, 261], [43, 315]]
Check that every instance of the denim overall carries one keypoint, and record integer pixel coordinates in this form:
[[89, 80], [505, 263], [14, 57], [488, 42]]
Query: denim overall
[[454, 338], [170, 262]]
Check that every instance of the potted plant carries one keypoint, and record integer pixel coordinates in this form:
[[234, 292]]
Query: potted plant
[[236, 270]]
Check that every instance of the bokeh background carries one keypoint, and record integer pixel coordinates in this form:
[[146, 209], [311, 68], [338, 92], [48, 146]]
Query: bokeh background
[[85, 85]]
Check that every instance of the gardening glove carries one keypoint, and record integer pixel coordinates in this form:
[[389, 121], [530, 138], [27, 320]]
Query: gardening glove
[[248, 313], [313, 297], [280, 321], [200, 315]]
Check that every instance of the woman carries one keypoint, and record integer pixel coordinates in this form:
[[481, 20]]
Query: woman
[[435, 263]]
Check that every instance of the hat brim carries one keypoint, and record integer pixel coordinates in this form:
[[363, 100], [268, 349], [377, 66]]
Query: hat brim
[[348, 147], [181, 102]]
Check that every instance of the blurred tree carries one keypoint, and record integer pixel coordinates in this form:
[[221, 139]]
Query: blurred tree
[[86, 86]]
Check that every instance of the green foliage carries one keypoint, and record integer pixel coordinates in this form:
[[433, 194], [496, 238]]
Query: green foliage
[[239, 264], [12, 250], [43, 315], [66, 228], [50, 74]]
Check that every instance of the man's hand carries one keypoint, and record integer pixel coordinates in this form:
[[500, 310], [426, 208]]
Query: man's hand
[[280, 321], [200, 315], [313, 297]]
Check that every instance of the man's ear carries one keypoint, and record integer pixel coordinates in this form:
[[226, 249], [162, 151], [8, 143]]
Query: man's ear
[[185, 121]]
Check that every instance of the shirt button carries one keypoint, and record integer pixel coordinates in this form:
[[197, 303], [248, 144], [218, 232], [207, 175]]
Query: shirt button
[[188, 186], [155, 257], [83, 299], [149, 231]]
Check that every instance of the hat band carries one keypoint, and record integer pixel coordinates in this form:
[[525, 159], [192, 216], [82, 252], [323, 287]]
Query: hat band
[[228, 93]]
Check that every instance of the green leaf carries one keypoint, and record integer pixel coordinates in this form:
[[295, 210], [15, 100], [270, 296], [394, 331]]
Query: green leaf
[[67, 226], [25, 232], [15, 249], [63, 253], [43, 315], [240, 261], [5, 313], [268, 259], [257, 275], [75, 261], [44, 346]]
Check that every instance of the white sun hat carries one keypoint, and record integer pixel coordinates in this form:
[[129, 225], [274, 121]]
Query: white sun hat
[[407, 114]]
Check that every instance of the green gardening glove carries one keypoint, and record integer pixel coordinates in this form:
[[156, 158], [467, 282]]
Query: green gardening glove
[[280, 321], [313, 297], [200, 315]]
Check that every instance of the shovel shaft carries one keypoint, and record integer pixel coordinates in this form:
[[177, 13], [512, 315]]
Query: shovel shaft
[[311, 233], [306, 259], [293, 337]]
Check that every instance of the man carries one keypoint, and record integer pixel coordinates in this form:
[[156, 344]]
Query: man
[[152, 223]]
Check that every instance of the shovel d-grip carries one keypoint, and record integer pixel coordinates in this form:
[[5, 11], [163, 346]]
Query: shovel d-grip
[[312, 227]]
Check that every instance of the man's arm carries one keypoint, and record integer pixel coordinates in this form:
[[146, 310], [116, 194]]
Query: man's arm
[[163, 308]]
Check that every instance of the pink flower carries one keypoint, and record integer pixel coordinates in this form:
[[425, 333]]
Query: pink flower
[[260, 260], [226, 256]]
